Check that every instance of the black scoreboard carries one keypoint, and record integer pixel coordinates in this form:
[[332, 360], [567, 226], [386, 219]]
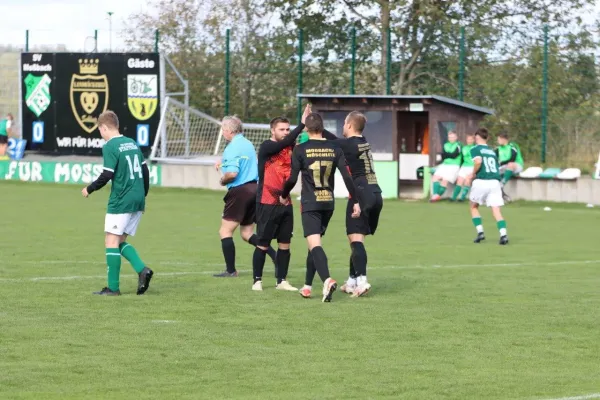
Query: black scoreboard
[[64, 93]]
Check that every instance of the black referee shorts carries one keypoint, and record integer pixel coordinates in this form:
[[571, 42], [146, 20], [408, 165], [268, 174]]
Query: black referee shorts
[[371, 205], [316, 222], [240, 204], [274, 222]]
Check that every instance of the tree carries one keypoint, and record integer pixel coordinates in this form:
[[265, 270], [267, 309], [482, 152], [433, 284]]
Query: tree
[[422, 28]]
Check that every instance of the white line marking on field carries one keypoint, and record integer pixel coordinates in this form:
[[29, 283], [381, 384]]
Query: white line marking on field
[[163, 321], [184, 273], [582, 397]]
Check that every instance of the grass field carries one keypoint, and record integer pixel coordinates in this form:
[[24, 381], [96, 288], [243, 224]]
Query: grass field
[[447, 319]]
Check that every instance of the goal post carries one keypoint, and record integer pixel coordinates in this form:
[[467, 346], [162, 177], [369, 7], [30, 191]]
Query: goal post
[[188, 136]]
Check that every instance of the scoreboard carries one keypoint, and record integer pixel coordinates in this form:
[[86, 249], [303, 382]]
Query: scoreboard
[[64, 93]]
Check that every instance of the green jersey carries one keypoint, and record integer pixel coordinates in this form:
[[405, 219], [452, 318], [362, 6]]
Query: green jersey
[[3, 127], [490, 168], [123, 158], [466, 155], [451, 153], [303, 138], [510, 152]]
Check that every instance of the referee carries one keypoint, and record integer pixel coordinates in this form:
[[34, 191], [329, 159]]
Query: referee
[[240, 175]]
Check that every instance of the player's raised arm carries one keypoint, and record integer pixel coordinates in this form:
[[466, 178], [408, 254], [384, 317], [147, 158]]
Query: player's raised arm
[[269, 148], [293, 179]]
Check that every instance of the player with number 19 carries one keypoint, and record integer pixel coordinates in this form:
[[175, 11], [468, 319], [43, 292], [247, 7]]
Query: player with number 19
[[123, 164], [486, 188]]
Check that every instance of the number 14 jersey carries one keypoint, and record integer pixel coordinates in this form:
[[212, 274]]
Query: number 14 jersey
[[317, 160], [123, 158], [490, 169]]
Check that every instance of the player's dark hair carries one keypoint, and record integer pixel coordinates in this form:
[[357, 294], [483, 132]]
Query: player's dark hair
[[503, 135], [314, 123], [357, 120], [470, 134], [109, 118], [278, 120], [482, 133]]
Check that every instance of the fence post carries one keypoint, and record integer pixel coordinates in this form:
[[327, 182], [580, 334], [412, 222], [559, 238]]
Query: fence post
[[353, 62], [388, 66], [461, 66], [27, 40], [300, 54], [227, 72], [156, 37], [545, 95]]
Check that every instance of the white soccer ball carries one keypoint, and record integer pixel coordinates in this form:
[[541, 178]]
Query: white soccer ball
[[547, 209]]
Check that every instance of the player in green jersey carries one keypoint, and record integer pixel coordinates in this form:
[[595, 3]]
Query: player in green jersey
[[463, 182], [447, 172], [123, 164], [5, 127], [486, 188], [510, 157], [303, 137]]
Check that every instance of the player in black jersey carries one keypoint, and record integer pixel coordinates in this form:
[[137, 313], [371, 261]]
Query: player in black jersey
[[357, 152], [318, 159]]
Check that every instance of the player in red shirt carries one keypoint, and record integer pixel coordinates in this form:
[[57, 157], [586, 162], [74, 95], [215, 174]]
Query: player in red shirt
[[275, 220]]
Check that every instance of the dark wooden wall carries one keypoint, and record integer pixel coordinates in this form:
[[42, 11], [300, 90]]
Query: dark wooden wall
[[466, 120]]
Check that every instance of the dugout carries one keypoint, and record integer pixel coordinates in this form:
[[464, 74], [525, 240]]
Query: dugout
[[406, 132]]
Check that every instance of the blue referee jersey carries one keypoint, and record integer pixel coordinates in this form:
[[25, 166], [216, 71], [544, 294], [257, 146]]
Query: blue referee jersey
[[240, 156]]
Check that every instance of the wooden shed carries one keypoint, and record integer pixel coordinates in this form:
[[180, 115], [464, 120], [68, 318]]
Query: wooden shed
[[409, 130]]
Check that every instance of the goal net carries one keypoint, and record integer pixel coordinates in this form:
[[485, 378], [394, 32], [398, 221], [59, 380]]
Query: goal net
[[189, 136]]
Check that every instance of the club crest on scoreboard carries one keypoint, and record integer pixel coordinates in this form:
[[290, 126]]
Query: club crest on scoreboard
[[89, 94], [142, 95]]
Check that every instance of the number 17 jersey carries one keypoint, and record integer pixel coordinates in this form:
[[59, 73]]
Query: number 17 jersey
[[317, 160], [490, 168], [123, 158]]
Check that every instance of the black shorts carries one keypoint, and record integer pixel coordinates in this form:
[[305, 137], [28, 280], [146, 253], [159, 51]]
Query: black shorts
[[3, 139], [316, 222], [240, 204], [371, 205], [274, 222]]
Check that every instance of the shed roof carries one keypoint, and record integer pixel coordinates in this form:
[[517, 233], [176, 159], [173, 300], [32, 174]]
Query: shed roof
[[441, 99]]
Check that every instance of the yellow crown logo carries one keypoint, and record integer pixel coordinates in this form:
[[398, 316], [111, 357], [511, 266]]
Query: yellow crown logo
[[88, 66]]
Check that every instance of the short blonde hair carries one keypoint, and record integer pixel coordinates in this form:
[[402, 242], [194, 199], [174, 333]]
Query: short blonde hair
[[232, 123], [110, 119], [357, 120]]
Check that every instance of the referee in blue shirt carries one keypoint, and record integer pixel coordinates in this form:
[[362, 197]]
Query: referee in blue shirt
[[240, 174]]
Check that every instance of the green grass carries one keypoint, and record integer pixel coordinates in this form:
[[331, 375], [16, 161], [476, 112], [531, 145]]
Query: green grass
[[446, 319]]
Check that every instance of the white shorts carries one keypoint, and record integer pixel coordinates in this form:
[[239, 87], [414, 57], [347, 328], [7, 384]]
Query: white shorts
[[447, 172], [118, 224], [486, 191], [465, 172], [518, 170]]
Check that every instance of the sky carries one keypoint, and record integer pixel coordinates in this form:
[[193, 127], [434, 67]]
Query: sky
[[67, 22], [70, 22]]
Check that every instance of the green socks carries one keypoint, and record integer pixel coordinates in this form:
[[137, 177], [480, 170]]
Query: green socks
[[501, 227], [456, 192], [477, 224], [507, 175], [436, 187], [441, 190], [465, 192], [113, 260], [131, 255]]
